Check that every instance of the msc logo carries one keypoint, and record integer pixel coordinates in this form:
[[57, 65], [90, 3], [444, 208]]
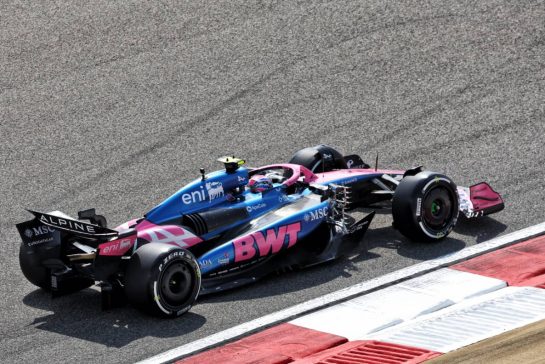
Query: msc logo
[[316, 214], [37, 231], [214, 190]]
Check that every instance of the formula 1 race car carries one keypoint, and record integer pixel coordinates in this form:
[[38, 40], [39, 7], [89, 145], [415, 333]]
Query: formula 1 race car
[[231, 227]]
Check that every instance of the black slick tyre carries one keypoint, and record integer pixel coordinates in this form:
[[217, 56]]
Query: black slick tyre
[[321, 158], [30, 261], [32, 268], [162, 280], [425, 206]]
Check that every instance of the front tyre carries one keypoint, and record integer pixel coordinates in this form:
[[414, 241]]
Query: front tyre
[[425, 206], [162, 280]]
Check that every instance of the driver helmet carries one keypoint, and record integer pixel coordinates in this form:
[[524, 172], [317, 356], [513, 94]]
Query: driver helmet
[[260, 183]]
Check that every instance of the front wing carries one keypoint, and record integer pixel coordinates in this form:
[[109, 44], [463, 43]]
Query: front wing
[[479, 200]]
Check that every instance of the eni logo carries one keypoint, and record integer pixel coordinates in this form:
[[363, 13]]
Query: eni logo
[[214, 190]]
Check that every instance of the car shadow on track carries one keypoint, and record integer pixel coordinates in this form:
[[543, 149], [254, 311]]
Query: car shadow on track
[[357, 261], [388, 238], [475, 230], [79, 316], [373, 246], [482, 229]]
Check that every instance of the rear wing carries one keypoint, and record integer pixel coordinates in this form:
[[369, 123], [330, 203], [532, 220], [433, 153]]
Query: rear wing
[[62, 222]]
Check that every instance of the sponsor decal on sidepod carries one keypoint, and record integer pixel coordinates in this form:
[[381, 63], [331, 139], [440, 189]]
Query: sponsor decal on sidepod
[[316, 214], [256, 207], [213, 189], [225, 260], [264, 243]]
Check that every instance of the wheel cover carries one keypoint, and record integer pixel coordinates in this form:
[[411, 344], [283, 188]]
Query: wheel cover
[[437, 207], [176, 284]]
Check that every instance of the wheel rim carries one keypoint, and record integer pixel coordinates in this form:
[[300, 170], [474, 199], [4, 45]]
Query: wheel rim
[[176, 284], [437, 208]]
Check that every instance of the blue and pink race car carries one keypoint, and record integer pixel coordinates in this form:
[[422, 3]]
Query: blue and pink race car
[[231, 227]]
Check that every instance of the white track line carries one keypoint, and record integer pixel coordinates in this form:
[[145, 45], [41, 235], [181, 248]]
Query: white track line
[[344, 294]]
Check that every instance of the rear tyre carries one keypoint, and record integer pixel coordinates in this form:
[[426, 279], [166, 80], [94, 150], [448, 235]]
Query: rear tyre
[[32, 268], [425, 206], [162, 280], [321, 158]]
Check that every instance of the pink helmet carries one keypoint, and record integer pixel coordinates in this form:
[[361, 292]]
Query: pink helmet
[[260, 183]]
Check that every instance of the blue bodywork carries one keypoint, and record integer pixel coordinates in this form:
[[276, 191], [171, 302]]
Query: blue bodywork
[[199, 195], [273, 221]]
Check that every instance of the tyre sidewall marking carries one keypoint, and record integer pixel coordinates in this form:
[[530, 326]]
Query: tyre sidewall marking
[[432, 184], [418, 208], [184, 257]]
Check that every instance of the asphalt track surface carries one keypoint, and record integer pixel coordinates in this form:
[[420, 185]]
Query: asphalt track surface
[[115, 105]]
